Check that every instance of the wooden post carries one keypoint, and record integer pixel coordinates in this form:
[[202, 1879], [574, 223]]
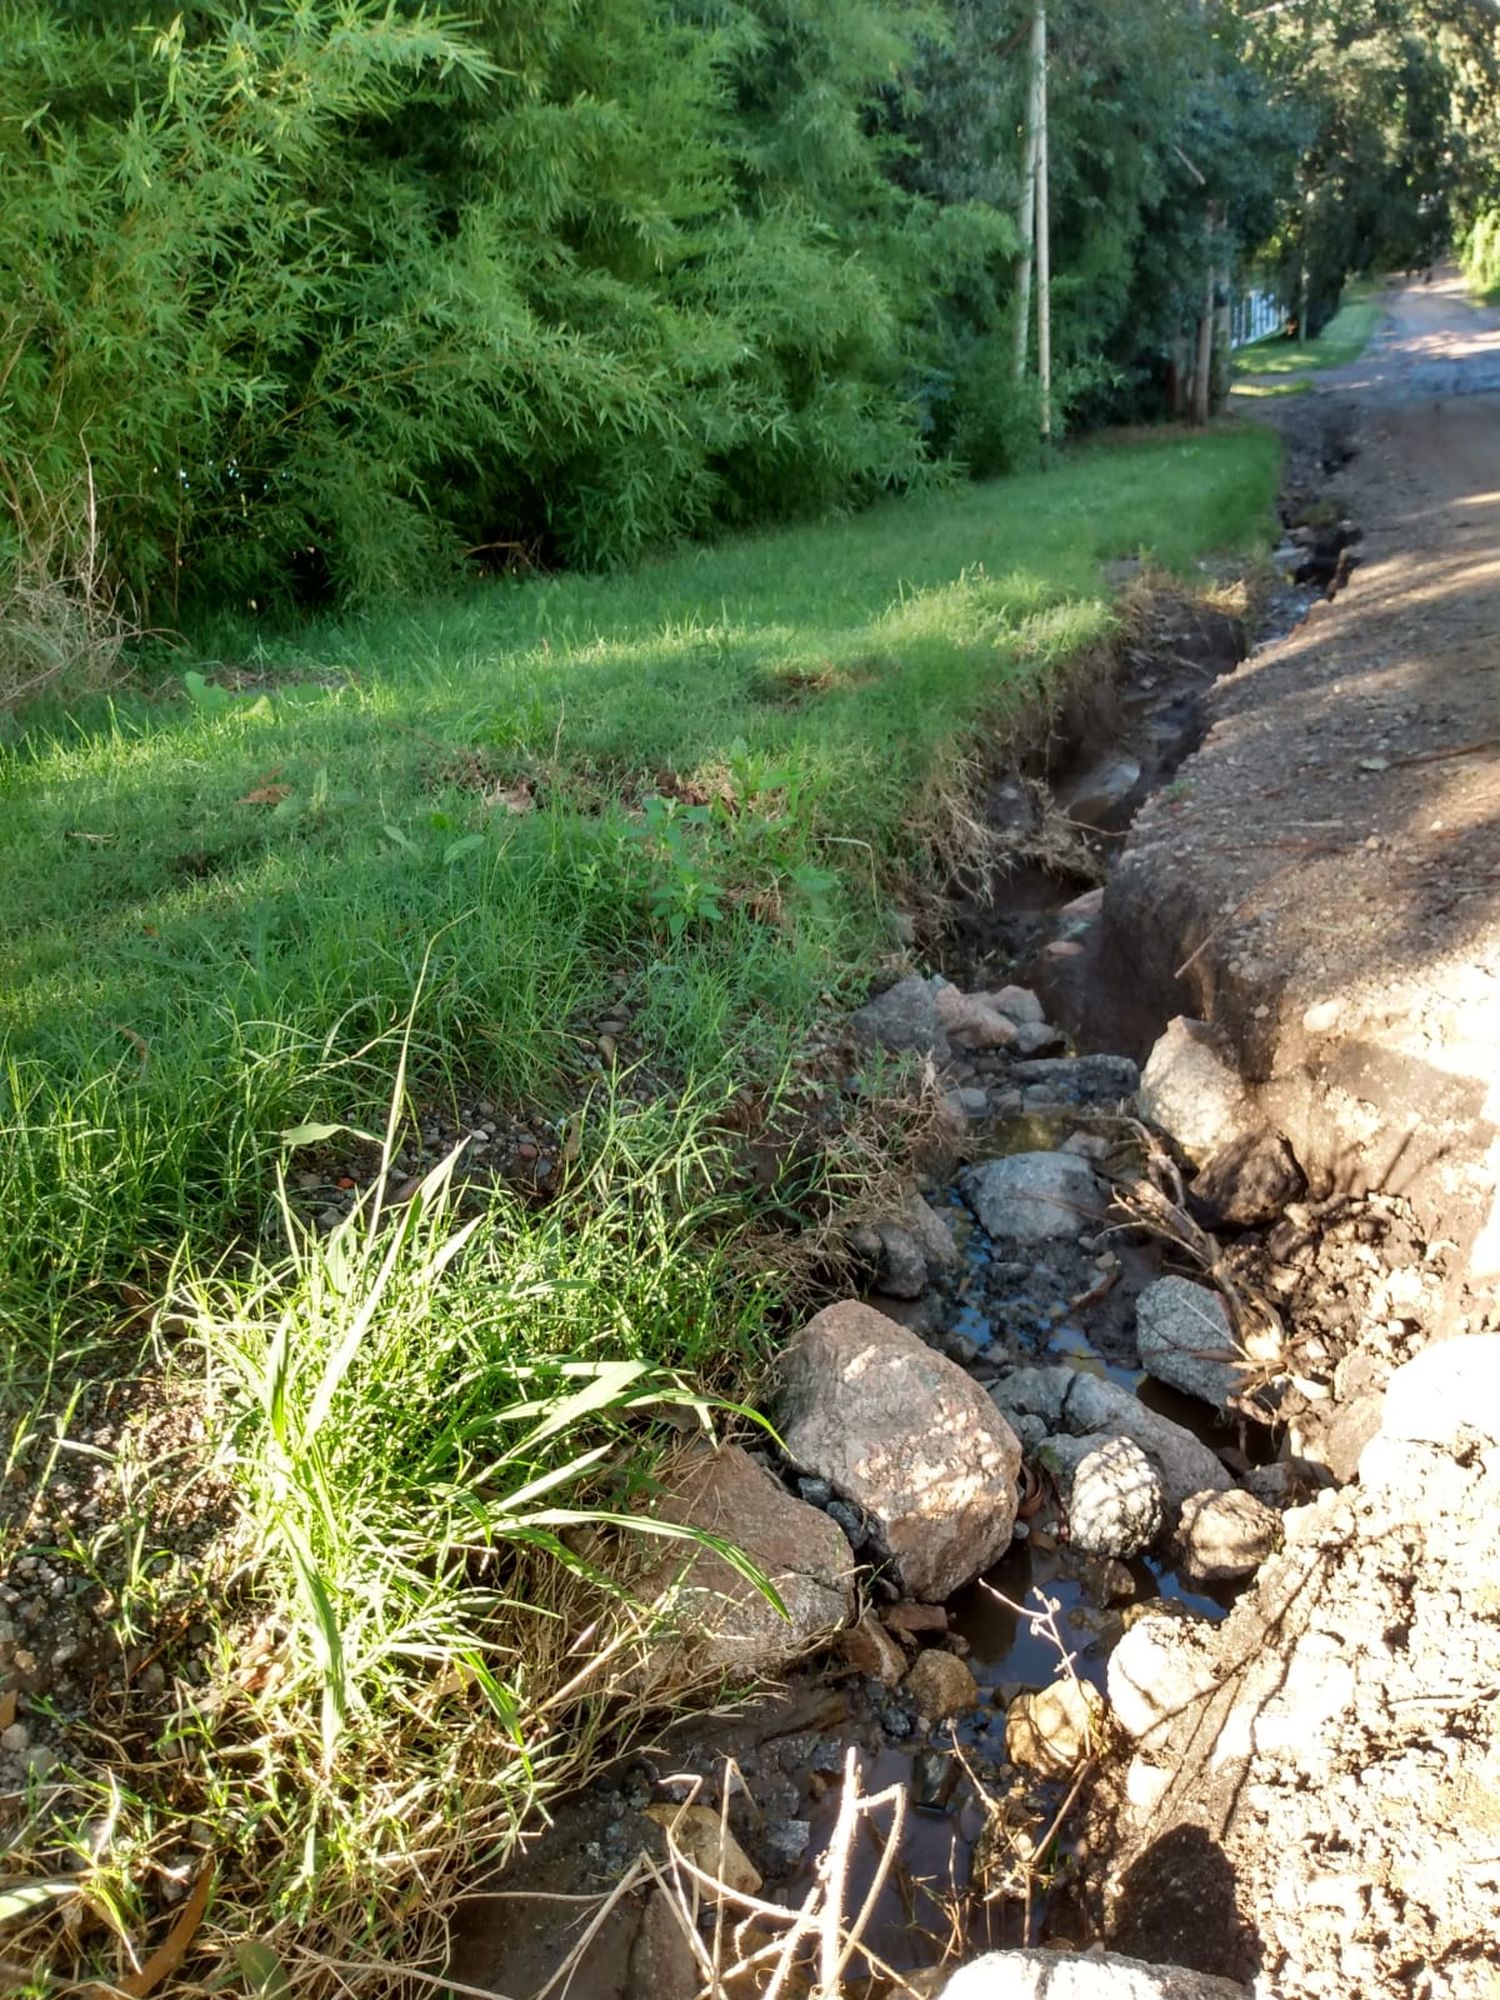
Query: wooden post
[[1026, 218], [1043, 239]]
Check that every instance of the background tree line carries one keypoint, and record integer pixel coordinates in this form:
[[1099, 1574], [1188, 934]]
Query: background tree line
[[303, 298]]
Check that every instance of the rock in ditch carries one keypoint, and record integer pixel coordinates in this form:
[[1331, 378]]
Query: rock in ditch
[[1051, 1730], [720, 1623], [1017, 1003], [1093, 1975], [1184, 1339], [940, 1685], [1035, 1197], [970, 1022], [902, 1267], [903, 1020], [1114, 1495], [1192, 1092], [1222, 1537], [1079, 1405], [909, 1438], [1160, 1668]]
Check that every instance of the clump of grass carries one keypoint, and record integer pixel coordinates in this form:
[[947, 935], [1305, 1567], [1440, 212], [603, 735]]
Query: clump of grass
[[63, 630], [414, 1419]]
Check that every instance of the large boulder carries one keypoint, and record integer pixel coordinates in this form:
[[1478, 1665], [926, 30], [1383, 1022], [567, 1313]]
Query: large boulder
[[719, 1623], [906, 1436], [1191, 1090], [1035, 1197], [1093, 1975], [1184, 1339]]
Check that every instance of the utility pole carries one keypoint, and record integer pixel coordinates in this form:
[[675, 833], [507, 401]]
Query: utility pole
[[1036, 97], [1043, 238]]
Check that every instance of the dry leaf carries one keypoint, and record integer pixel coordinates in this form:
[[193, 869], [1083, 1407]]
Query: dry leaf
[[167, 1957], [7, 1708]]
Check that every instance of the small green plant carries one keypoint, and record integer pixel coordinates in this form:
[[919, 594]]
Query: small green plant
[[678, 842]]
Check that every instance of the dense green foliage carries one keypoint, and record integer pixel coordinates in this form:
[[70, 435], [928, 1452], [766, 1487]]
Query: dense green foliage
[[1396, 108], [323, 295]]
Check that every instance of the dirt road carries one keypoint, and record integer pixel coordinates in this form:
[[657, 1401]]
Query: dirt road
[[1328, 866]]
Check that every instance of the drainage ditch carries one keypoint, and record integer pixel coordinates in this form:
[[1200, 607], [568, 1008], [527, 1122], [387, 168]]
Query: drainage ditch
[[989, 1856]]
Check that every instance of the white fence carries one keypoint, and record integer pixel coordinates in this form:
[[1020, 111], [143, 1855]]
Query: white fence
[[1252, 315]]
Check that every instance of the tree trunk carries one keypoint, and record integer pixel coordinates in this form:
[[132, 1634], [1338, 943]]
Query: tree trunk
[[1203, 363]]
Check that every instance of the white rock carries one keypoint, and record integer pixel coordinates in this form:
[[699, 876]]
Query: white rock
[[1191, 1091], [1156, 1671], [1064, 1975], [1184, 1338], [1451, 1390], [1115, 1505], [1035, 1197], [909, 1438], [1099, 1407]]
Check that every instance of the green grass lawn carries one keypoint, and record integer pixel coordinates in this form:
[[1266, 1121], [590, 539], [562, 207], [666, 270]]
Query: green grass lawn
[[1341, 342], [214, 904], [390, 860]]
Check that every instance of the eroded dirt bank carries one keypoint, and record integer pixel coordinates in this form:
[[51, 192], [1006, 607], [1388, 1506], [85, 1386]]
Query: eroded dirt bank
[[1323, 882], [1312, 1793]]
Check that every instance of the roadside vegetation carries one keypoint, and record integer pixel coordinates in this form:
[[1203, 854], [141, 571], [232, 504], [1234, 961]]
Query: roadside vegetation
[[366, 877], [1341, 343], [506, 593]]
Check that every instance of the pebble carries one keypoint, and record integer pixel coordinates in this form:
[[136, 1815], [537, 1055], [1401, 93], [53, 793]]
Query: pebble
[[15, 1739], [39, 1760], [786, 1841]]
